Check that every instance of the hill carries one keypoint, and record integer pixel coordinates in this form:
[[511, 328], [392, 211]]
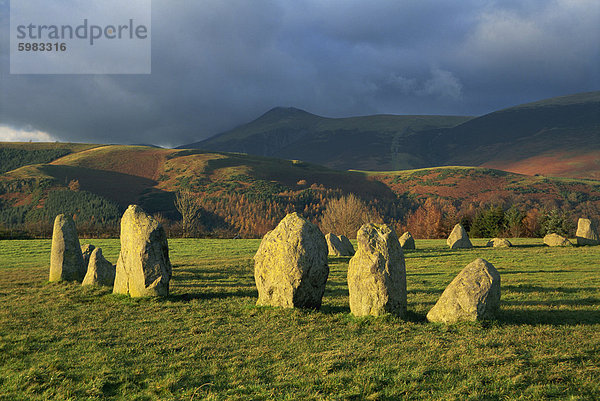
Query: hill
[[558, 137], [16, 154], [248, 195], [366, 143], [479, 185], [235, 189]]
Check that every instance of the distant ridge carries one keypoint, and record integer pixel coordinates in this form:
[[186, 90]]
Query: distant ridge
[[557, 136], [342, 143], [145, 144]]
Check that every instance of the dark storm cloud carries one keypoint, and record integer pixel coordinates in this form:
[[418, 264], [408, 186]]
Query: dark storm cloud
[[219, 63]]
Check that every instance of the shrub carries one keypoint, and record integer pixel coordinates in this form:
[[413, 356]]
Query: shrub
[[344, 216], [188, 205]]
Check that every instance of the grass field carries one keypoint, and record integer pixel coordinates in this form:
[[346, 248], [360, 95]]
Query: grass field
[[208, 340]]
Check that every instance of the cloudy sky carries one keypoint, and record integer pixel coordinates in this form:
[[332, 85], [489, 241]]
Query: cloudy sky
[[219, 63]]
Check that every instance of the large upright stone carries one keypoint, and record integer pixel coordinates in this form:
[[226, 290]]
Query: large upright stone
[[143, 267], [459, 238], [377, 274], [100, 271], [66, 261], [86, 251], [290, 266], [474, 294], [407, 241], [339, 246], [587, 233], [556, 240]]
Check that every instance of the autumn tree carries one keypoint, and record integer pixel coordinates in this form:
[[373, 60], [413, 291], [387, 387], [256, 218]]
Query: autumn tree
[[188, 205], [344, 216], [74, 185], [433, 219]]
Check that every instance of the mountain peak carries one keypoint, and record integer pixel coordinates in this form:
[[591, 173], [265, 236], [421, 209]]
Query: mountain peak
[[281, 112]]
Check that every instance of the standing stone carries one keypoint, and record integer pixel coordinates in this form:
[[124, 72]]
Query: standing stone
[[377, 274], [143, 267], [556, 240], [66, 261], [407, 241], [474, 294], [290, 266], [499, 243], [334, 245], [459, 238], [100, 271], [86, 251], [348, 248], [587, 233], [339, 246]]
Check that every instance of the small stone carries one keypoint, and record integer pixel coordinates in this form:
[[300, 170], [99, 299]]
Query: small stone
[[407, 241], [66, 260], [587, 233], [474, 294], [459, 238], [556, 240], [100, 271], [339, 246], [499, 243], [290, 266], [377, 273]]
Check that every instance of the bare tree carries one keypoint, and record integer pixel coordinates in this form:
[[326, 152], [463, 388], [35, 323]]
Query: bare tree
[[344, 216], [188, 205]]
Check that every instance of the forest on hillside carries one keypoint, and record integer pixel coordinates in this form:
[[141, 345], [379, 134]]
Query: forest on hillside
[[250, 214]]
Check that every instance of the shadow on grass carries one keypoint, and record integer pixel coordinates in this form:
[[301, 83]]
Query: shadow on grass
[[211, 284], [339, 259], [214, 284], [428, 274], [415, 317], [207, 295], [334, 309], [556, 302], [336, 291], [507, 271], [433, 254], [427, 291], [540, 245], [527, 288], [410, 315], [537, 316]]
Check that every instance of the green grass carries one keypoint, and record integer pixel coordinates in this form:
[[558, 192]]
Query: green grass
[[208, 340]]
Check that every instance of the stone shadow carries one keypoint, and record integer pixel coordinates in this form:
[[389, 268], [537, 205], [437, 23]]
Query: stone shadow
[[528, 288], [190, 284], [208, 295]]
